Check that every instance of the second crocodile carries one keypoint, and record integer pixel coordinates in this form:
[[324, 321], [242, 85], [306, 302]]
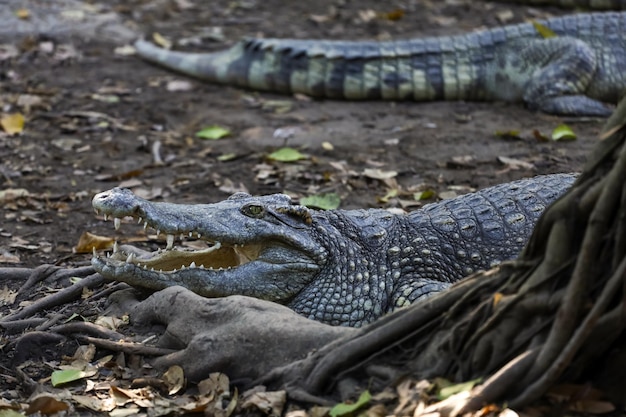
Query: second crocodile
[[341, 267], [571, 73]]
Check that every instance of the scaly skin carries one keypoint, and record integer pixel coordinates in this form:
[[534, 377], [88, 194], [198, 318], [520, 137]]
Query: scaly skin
[[570, 74], [338, 267]]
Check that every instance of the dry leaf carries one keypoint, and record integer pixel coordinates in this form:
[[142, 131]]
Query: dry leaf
[[46, 404], [271, 402], [13, 124], [515, 163], [161, 41], [7, 296], [88, 242], [379, 174], [174, 378]]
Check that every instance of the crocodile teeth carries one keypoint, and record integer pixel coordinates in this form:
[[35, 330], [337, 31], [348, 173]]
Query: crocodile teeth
[[130, 258], [117, 222], [199, 235], [115, 247], [105, 217], [145, 225], [170, 241], [139, 220], [190, 234], [192, 265], [93, 249]]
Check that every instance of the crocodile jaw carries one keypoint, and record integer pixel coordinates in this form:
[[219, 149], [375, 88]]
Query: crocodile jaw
[[215, 256]]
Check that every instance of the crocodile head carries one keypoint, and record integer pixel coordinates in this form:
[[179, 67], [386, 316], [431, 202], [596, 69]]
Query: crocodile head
[[255, 246]]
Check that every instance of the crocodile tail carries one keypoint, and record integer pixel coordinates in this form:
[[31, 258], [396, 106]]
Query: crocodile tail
[[449, 68], [213, 67]]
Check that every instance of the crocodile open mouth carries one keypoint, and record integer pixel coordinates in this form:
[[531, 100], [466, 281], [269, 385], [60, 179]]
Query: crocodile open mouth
[[200, 253]]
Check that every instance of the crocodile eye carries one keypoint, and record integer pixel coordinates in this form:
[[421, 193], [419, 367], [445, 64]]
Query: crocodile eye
[[253, 210]]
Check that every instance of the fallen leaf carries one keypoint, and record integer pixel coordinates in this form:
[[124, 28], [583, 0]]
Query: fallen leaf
[[450, 390], [110, 322], [379, 174], [23, 14], [515, 163], [46, 404], [88, 242], [93, 403], [563, 132], [106, 98], [424, 195], [7, 257], [161, 40], [174, 378], [329, 201], [68, 375], [214, 132], [12, 194], [269, 402], [277, 106], [286, 155], [392, 193], [179, 85], [508, 134], [13, 123], [393, 15], [343, 409], [7, 296]]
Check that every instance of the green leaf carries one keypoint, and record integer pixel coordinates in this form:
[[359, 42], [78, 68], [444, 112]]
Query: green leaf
[[343, 409], [563, 132], [286, 155], [68, 375], [392, 193], [543, 30], [424, 195], [456, 388], [227, 157], [214, 132], [328, 201]]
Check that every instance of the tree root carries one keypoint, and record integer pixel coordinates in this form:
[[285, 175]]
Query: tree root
[[64, 296]]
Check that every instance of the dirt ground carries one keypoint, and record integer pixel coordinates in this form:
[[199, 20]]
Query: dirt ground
[[96, 118]]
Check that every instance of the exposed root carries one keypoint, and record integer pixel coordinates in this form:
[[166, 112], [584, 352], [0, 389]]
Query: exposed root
[[53, 300]]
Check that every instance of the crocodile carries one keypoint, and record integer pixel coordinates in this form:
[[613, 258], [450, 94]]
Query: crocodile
[[573, 73], [340, 267]]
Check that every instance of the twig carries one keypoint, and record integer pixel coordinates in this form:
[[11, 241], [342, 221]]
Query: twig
[[127, 347], [66, 295], [88, 328]]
